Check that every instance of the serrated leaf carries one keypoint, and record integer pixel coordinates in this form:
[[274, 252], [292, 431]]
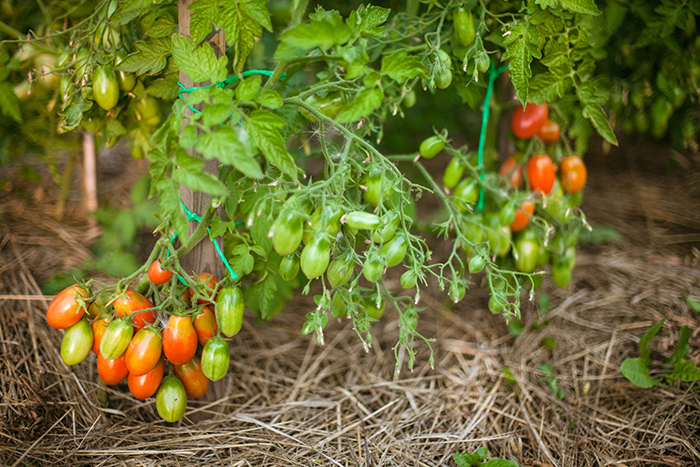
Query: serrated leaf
[[248, 88], [470, 95], [647, 337], [201, 18], [242, 22], [224, 144], [214, 114], [521, 48], [199, 181], [149, 58], [636, 370], [367, 21], [470, 459], [546, 87], [9, 103], [113, 128], [73, 114], [164, 26], [199, 63], [401, 67], [324, 33], [682, 348], [586, 7], [259, 231], [262, 126], [267, 297], [685, 371], [365, 102], [597, 117], [257, 11], [242, 264], [269, 98], [164, 88], [129, 10]]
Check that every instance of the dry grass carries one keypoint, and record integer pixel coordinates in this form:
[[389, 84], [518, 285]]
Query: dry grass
[[288, 401]]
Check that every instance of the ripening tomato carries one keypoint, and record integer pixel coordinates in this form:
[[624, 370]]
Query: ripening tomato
[[215, 359], [573, 174], [144, 386], [132, 301], [522, 216], [67, 307], [111, 371], [525, 123], [207, 289], [510, 166], [549, 132], [98, 305], [179, 340], [315, 256], [157, 274], [171, 399], [205, 325], [144, 351], [287, 233], [116, 339], [540, 173], [98, 329], [192, 377], [229, 311], [76, 343]]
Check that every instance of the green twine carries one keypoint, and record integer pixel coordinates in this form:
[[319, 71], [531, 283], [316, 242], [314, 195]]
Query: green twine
[[493, 73], [193, 216]]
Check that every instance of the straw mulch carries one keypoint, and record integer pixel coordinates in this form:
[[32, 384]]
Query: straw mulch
[[289, 401]]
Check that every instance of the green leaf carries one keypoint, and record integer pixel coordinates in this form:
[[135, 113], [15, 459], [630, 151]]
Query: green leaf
[[224, 144], [682, 348], [401, 67], [242, 263], [521, 48], [129, 10], [269, 98], [149, 58], [248, 88], [164, 26], [242, 22], [324, 33], [203, 13], [647, 337], [200, 63], [366, 101], [495, 462], [262, 126], [214, 114], [267, 297], [113, 128], [73, 114], [547, 87], [367, 21], [470, 459], [586, 7], [260, 229], [164, 88], [685, 371], [169, 201], [257, 11], [470, 95], [693, 304], [636, 370], [597, 117], [199, 181], [9, 103]]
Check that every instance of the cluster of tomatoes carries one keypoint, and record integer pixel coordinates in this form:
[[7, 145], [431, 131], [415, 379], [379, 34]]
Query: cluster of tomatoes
[[124, 331]]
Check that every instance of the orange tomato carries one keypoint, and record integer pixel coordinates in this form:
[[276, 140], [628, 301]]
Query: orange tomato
[[133, 301], [144, 386], [192, 377], [522, 216], [144, 351], [573, 174], [205, 325], [512, 171], [179, 340]]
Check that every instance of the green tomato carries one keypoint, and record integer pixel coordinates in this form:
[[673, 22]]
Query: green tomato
[[373, 267], [326, 218], [395, 250], [453, 173], [330, 106], [215, 358], [105, 88], [409, 279], [116, 339], [476, 264], [390, 223], [457, 291], [443, 79], [466, 194], [506, 215], [472, 228], [463, 26], [289, 267], [374, 181], [561, 273], [409, 100], [315, 256], [287, 233], [127, 81], [444, 59], [483, 63], [229, 309], [661, 111], [340, 271], [431, 147], [338, 307], [526, 252], [148, 112], [171, 399], [498, 236], [370, 308], [497, 304], [77, 342], [360, 220]]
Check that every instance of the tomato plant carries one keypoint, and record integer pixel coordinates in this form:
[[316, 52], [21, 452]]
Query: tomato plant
[[208, 285], [205, 325], [549, 132], [116, 339], [215, 359], [229, 311], [112, 371], [573, 174], [157, 274], [431, 146]]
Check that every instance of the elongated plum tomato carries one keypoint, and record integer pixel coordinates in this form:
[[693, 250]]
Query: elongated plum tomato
[[144, 386], [116, 339], [76, 343], [192, 377], [289, 267], [287, 233], [229, 311], [66, 308], [464, 26], [522, 216], [112, 371], [171, 399], [431, 146], [157, 274], [132, 301], [179, 340], [573, 174], [527, 248], [513, 171], [105, 87], [208, 288], [315, 256], [98, 305], [540, 174], [205, 325], [98, 329], [215, 359], [525, 123], [144, 351], [549, 132]]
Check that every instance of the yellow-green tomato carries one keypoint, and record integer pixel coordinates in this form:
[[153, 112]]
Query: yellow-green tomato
[[229, 308], [315, 256], [394, 251], [431, 147], [105, 88], [463, 26], [77, 342], [171, 399], [215, 358], [340, 271], [526, 251]]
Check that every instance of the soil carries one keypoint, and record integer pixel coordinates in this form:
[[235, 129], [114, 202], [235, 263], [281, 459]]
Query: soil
[[548, 393]]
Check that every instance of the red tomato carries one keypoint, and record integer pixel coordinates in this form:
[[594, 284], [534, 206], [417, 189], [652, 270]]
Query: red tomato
[[205, 325], [525, 123], [179, 340], [157, 274], [540, 174], [573, 174], [516, 174], [208, 286], [522, 216], [66, 308], [112, 371], [192, 377], [133, 301], [144, 386], [143, 352], [549, 132], [98, 329]]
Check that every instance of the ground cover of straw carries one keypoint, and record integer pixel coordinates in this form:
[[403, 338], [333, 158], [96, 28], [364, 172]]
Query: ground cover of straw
[[289, 401]]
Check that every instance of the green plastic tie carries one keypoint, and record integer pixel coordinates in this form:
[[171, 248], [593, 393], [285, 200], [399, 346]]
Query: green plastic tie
[[493, 73]]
